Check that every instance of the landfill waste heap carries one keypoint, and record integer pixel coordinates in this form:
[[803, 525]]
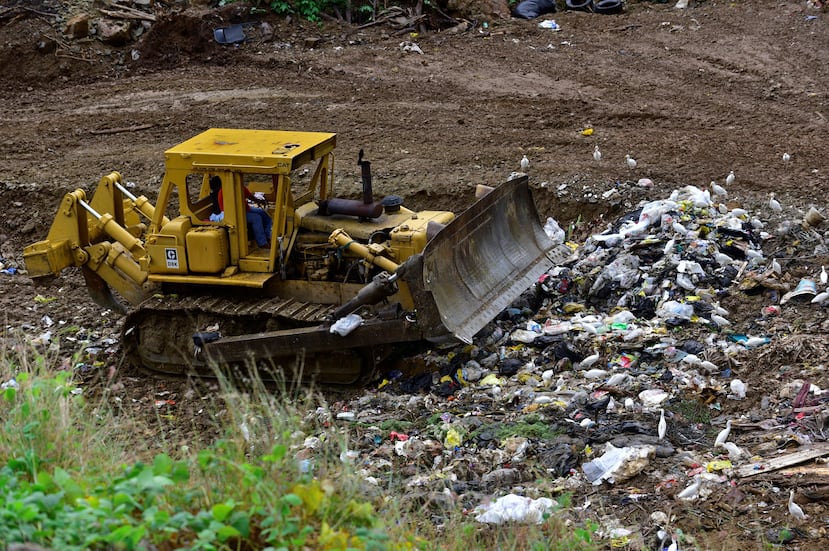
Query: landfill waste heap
[[656, 371], [570, 389]]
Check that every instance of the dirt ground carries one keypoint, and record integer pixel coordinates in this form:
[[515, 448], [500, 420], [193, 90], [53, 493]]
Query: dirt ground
[[690, 94]]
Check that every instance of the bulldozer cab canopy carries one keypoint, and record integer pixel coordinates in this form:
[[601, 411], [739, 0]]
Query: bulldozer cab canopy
[[242, 150]]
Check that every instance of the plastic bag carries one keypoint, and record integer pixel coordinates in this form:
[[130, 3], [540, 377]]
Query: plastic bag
[[530, 9], [514, 508], [673, 309], [554, 231], [618, 464], [346, 325]]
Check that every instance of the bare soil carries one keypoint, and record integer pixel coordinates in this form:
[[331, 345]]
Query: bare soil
[[691, 94]]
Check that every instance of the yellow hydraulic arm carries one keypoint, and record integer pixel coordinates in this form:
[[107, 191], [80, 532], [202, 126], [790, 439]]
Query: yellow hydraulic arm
[[107, 244]]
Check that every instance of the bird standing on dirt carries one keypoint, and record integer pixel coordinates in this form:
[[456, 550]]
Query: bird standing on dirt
[[774, 204], [723, 259], [824, 277], [730, 178], [630, 161], [589, 360], [821, 297], [786, 157], [722, 437], [718, 190], [662, 428], [597, 155], [525, 163], [720, 320], [734, 451], [794, 508], [692, 491]]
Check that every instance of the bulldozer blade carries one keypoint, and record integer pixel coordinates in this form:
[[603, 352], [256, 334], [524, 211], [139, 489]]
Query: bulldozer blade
[[483, 260], [100, 292]]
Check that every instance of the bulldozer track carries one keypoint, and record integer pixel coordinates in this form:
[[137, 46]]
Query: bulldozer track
[[277, 308], [158, 335]]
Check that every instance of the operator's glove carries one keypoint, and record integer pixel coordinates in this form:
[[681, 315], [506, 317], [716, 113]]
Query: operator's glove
[[259, 196]]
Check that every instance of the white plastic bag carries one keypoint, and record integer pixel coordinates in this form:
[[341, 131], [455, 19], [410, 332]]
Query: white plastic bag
[[514, 508], [618, 464], [554, 231], [346, 325]]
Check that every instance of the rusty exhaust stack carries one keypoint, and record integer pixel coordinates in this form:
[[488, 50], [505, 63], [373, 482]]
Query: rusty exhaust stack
[[365, 167], [365, 209]]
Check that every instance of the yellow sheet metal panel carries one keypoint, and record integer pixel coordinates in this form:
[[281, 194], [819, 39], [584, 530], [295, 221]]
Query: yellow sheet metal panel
[[167, 248], [410, 238], [267, 151], [207, 250]]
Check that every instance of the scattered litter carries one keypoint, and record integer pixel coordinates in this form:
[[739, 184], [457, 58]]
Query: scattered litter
[[806, 288], [410, 47], [346, 325], [550, 24], [234, 34], [618, 464], [514, 508]]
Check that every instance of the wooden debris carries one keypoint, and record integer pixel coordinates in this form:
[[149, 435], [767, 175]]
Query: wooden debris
[[781, 462], [123, 13]]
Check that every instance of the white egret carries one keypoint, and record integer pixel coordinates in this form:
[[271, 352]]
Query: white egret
[[794, 508], [718, 189], [734, 451], [691, 492], [597, 155], [821, 297], [722, 437], [630, 161], [723, 259], [730, 178], [720, 321], [589, 360], [662, 428], [525, 163]]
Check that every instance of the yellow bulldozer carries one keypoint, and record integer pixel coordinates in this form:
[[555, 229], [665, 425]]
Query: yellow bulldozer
[[200, 292]]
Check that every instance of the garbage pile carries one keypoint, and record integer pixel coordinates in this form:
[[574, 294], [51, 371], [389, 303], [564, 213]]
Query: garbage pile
[[619, 367]]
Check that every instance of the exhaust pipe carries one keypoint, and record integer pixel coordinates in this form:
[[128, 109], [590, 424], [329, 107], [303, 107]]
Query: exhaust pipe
[[351, 207], [365, 167]]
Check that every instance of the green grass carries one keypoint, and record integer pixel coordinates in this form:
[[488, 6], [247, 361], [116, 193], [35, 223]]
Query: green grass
[[77, 474]]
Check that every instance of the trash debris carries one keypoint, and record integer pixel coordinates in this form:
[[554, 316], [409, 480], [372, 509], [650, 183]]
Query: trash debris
[[346, 325], [514, 508], [806, 288], [410, 47], [618, 464], [234, 34], [550, 24]]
